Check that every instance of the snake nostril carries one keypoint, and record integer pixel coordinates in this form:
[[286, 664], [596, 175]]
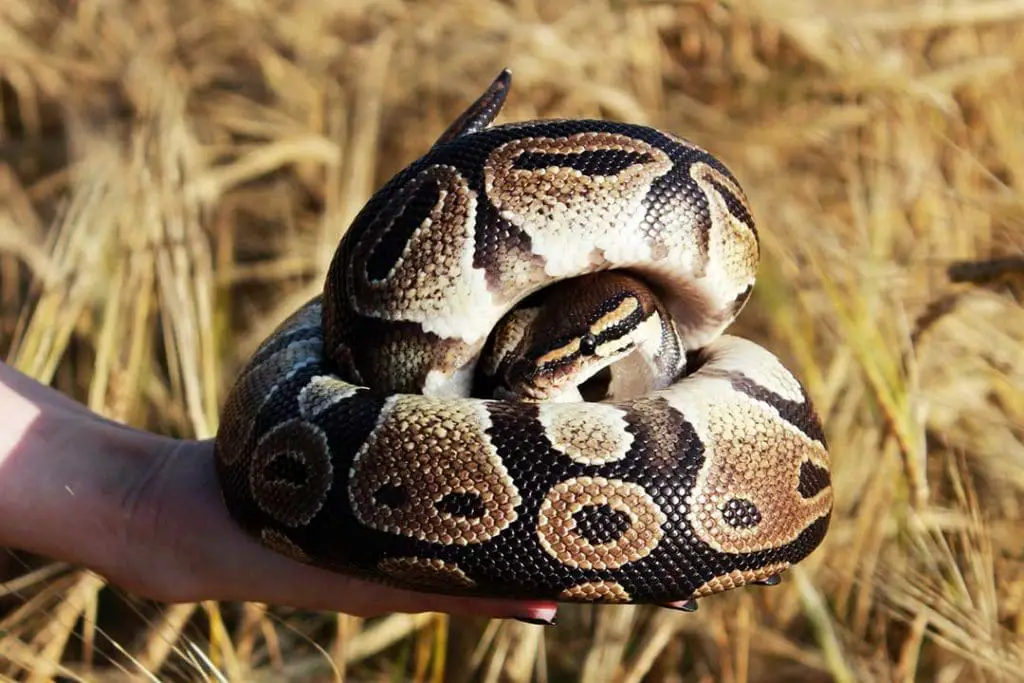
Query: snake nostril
[[392, 496], [462, 504], [741, 514], [601, 524]]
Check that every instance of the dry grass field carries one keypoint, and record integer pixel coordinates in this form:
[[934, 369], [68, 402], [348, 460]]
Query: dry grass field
[[174, 176]]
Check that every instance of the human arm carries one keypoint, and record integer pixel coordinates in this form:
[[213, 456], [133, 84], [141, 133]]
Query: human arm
[[144, 512]]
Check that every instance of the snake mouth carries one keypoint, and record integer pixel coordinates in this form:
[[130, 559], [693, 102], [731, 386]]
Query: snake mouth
[[594, 389]]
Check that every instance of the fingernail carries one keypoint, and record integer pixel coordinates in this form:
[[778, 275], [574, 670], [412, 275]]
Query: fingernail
[[682, 605], [770, 581], [538, 621]]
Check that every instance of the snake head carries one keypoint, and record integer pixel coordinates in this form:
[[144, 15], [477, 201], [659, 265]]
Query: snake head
[[555, 372], [575, 331]]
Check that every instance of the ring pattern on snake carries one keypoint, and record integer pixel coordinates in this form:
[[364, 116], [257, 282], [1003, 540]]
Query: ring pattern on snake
[[430, 421]]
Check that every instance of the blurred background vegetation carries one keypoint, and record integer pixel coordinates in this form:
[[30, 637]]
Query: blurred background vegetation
[[174, 176]]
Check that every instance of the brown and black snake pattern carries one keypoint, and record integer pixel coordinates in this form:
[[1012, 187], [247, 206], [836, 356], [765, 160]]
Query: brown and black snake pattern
[[353, 439]]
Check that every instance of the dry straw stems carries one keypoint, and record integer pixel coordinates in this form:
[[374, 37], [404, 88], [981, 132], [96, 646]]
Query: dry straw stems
[[175, 175]]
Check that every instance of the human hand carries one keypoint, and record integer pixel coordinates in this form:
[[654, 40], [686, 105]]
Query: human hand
[[145, 512]]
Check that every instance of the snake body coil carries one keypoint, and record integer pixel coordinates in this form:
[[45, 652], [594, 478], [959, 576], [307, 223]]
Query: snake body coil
[[351, 441]]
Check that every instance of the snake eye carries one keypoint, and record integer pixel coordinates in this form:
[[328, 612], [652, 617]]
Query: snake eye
[[588, 344]]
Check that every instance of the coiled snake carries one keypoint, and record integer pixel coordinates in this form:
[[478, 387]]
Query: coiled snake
[[516, 384]]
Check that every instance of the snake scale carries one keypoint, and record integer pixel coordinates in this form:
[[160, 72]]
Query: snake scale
[[516, 381]]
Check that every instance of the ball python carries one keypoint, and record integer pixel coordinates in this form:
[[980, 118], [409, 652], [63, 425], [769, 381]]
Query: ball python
[[516, 382]]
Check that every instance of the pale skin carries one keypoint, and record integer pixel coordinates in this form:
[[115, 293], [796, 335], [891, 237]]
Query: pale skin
[[144, 512]]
